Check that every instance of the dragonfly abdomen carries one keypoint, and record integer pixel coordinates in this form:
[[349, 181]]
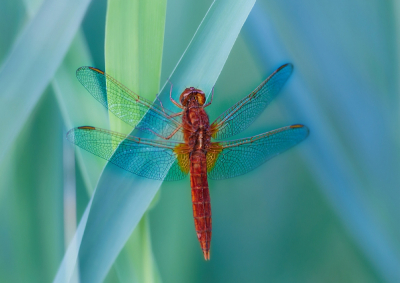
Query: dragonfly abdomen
[[201, 200]]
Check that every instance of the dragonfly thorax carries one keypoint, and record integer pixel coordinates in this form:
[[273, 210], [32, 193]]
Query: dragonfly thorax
[[192, 93]]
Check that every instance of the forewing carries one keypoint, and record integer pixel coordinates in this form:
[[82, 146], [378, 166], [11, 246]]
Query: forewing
[[126, 105], [234, 158], [153, 159], [242, 114]]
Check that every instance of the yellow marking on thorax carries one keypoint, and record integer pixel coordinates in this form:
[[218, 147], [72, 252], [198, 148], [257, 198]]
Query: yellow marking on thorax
[[212, 155], [182, 155]]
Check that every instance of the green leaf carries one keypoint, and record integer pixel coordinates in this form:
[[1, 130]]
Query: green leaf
[[134, 45], [121, 198]]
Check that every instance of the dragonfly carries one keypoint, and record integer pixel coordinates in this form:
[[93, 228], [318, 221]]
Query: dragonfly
[[185, 142]]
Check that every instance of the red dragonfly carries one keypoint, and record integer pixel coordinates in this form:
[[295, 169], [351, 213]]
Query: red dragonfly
[[184, 145]]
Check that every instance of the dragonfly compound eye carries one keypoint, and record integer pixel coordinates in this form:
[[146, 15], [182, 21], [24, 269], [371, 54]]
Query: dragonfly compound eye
[[191, 92]]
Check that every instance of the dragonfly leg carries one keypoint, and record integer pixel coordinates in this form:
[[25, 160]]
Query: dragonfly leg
[[160, 136], [173, 133], [165, 113], [162, 107], [176, 114], [170, 97], [212, 96]]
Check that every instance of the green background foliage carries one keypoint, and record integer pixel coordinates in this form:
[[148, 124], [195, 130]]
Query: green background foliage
[[325, 211]]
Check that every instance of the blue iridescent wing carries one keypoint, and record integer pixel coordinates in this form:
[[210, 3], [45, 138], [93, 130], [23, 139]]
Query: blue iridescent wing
[[233, 158], [153, 159], [128, 106], [242, 114]]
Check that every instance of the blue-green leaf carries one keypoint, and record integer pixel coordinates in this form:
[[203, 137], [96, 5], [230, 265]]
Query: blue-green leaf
[[343, 90], [32, 62]]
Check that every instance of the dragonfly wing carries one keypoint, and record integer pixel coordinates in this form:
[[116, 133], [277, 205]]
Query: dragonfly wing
[[126, 105], [233, 158], [242, 114], [153, 159]]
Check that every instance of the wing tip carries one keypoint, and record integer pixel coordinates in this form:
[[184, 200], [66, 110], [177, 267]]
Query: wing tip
[[286, 65], [301, 126], [71, 133], [81, 69], [88, 67]]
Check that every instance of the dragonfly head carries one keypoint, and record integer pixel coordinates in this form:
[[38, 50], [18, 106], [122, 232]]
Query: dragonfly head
[[192, 93]]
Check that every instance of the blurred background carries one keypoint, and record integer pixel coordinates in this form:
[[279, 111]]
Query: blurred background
[[325, 211]]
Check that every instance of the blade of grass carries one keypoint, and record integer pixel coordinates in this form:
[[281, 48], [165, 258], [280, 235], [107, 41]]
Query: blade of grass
[[135, 262], [134, 42], [133, 55], [67, 268], [217, 33], [121, 198], [12, 16], [134, 45], [33, 61]]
